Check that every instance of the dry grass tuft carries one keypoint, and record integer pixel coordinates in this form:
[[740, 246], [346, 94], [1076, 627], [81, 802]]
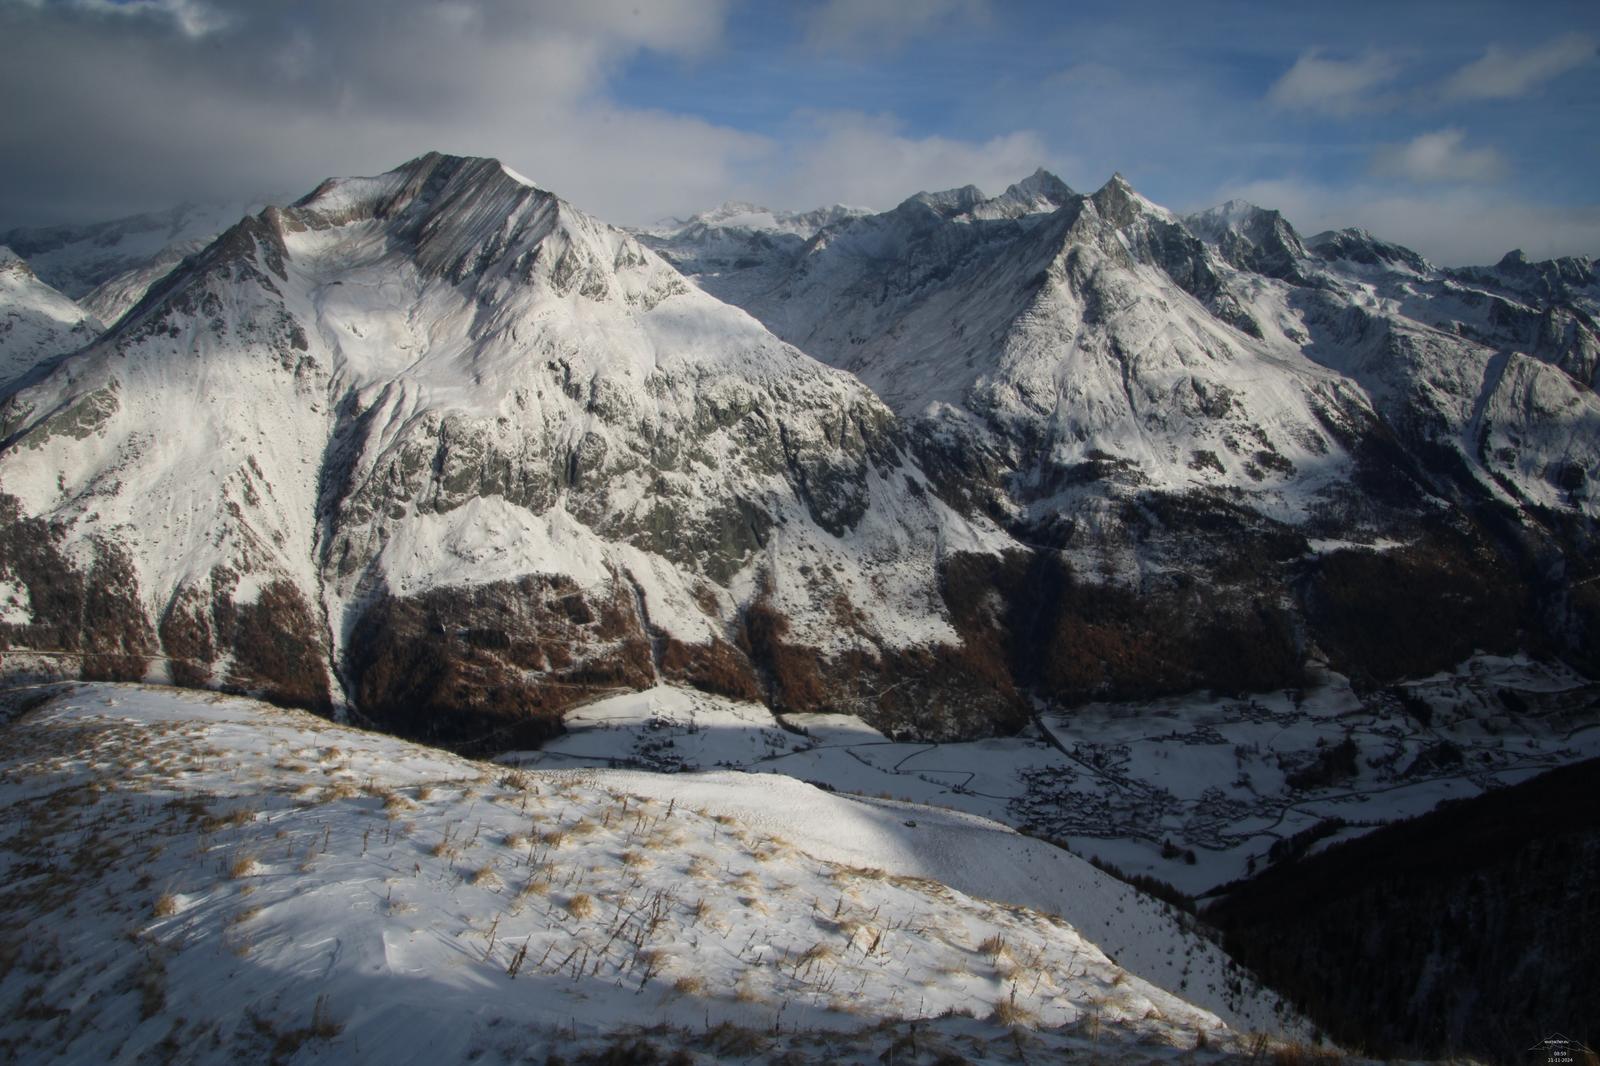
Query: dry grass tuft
[[166, 905], [818, 952], [1008, 1013], [243, 865], [664, 837], [580, 905], [689, 986], [994, 946], [395, 803], [636, 860], [485, 876], [340, 790]]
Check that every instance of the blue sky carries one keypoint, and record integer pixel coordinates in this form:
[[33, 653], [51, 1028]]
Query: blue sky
[[1460, 128]]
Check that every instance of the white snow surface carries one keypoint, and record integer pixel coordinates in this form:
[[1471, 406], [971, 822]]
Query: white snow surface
[[37, 323], [234, 880]]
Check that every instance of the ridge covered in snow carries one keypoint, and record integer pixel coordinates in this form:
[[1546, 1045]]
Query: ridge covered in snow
[[37, 323], [237, 880], [77, 258]]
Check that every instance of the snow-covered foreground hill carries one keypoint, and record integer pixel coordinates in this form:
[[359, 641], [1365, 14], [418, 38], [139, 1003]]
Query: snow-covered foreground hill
[[193, 877]]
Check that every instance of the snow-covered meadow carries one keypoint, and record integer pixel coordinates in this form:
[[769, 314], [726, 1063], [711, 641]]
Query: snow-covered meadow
[[193, 877]]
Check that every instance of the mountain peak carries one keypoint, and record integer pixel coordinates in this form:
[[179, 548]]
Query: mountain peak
[[949, 202], [1041, 183], [339, 200], [1040, 192], [1119, 204], [1356, 245]]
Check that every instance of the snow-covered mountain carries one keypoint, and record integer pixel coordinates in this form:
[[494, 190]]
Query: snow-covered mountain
[[36, 322], [118, 294], [77, 258], [438, 443], [740, 244], [1209, 420]]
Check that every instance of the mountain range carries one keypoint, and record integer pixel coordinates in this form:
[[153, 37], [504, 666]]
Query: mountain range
[[1141, 532], [440, 448]]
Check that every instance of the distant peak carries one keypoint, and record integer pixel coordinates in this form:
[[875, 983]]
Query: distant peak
[[1512, 259], [1358, 246], [950, 201], [1042, 179], [1236, 208], [1040, 185], [1119, 204]]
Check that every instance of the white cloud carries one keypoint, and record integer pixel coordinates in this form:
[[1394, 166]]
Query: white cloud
[[1455, 227], [1438, 157], [867, 161], [864, 24], [1503, 73], [1333, 86]]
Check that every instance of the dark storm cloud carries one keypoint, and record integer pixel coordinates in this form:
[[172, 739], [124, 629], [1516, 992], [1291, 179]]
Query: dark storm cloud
[[122, 106]]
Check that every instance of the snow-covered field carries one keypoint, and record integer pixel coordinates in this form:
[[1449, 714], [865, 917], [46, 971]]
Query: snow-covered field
[[192, 877], [1221, 780]]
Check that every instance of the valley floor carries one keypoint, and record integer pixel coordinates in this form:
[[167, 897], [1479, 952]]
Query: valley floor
[[1196, 791]]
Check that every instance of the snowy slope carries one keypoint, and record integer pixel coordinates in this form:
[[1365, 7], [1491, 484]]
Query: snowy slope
[[36, 321], [117, 295], [228, 880], [737, 250], [77, 258]]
